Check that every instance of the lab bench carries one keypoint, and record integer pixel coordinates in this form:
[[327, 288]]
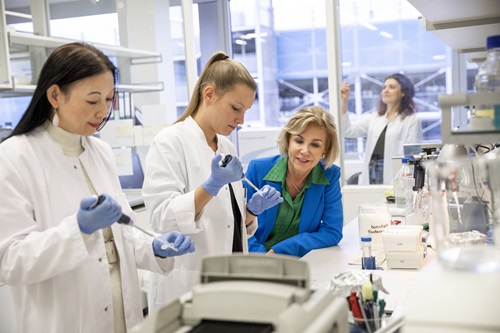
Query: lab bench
[[327, 262]]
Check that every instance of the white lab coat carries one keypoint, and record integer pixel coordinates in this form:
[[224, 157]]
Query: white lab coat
[[398, 133], [59, 277], [178, 162]]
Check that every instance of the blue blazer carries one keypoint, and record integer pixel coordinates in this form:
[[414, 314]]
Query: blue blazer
[[321, 218]]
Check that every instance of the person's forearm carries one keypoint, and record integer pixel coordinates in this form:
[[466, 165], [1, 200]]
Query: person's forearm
[[343, 107], [249, 217], [345, 91], [201, 198]]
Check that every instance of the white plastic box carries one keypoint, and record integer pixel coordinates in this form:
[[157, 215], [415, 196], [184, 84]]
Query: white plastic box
[[402, 238], [404, 260]]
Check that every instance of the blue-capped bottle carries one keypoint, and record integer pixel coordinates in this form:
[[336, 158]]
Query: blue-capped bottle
[[367, 260]]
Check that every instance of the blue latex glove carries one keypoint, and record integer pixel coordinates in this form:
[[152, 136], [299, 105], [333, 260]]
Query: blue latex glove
[[183, 243], [263, 199], [93, 217], [222, 175]]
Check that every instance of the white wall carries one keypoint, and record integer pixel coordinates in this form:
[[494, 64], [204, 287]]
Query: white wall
[[257, 142]]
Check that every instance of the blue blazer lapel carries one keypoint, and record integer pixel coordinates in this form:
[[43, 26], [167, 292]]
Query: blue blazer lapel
[[310, 206]]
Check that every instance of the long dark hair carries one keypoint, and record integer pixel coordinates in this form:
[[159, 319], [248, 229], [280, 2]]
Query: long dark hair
[[407, 105], [66, 65]]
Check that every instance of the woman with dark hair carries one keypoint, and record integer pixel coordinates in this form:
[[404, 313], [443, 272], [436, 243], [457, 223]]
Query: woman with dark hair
[[69, 266], [387, 130], [71, 63]]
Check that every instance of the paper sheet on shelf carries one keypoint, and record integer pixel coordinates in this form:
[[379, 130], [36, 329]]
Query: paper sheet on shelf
[[155, 115], [123, 160], [118, 133]]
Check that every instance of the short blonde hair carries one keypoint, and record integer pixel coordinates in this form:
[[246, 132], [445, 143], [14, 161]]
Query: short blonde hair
[[298, 124]]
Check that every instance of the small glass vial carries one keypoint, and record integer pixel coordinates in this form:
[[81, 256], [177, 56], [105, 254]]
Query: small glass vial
[[367, 260], [366, 246]]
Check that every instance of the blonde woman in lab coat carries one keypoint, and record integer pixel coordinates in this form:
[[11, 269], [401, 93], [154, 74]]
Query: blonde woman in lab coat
[[387, 130], [70, 268], [185, 187]]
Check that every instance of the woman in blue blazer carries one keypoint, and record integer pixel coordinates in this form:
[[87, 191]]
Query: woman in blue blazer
[[310, 216]]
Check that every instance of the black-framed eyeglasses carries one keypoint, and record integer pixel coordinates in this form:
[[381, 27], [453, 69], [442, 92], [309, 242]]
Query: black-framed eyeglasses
[[110, 111]]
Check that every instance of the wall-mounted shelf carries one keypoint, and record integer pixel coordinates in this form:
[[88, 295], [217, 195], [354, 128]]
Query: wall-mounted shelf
[[17, 39], [463, 25], [18, 90], [449, 103], [137, 88], [18, 43], [5, 77], [28, 89]]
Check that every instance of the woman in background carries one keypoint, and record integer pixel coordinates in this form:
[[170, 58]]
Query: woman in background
[[387, 130], [310, 216]]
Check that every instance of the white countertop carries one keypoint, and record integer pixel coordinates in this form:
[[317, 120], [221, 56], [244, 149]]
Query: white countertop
[[327, 262]]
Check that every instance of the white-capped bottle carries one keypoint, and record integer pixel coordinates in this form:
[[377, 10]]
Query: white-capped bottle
[[373, 218], [399, 182], [410, 196], [488, 81]]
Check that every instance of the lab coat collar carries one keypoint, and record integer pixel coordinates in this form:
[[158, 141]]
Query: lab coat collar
[[71, 143], [198, 132]]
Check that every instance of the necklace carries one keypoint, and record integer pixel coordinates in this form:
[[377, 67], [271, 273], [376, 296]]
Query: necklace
[[392, 116], [290, 179]]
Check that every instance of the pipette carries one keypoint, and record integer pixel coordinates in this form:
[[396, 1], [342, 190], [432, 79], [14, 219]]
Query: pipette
[[125, 219], [455, 197], [250, 183], [226, 160]]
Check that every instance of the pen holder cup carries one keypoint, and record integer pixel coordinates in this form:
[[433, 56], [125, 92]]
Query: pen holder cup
[[368, 325]]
